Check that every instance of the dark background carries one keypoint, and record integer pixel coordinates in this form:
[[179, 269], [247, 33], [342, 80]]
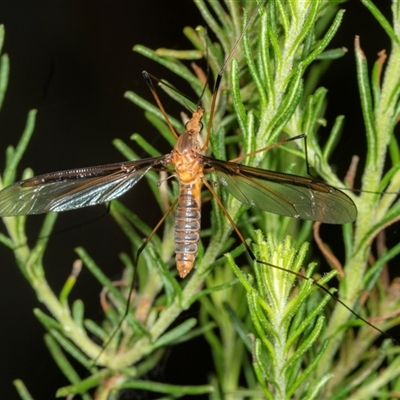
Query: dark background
[[73, 61]]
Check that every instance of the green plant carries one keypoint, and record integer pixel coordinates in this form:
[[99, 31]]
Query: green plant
[[292, 354]]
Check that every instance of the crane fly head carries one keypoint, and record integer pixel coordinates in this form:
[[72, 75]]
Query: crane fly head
[[194, 125]]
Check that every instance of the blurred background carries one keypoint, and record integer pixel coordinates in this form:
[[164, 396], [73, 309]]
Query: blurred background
[[73, 61]]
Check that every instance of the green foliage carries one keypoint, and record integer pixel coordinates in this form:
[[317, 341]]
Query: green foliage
[[285, 328], [281, 335]]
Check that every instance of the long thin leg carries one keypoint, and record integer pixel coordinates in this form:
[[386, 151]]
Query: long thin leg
[[153, 91], [169, 86], [132, 286], [221, 72], [272, 146], [315, 282]]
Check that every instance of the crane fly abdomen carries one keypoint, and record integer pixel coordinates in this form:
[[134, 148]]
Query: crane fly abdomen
[[187, 226]]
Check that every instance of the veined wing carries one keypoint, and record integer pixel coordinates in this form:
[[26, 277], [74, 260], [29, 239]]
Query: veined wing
[[284, 194], [75, 188]]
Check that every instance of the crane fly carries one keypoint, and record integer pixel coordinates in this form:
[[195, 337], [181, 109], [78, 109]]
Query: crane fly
[[275, 192]]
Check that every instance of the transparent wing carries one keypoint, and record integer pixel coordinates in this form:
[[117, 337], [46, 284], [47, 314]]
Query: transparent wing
[[76, 188], [284, 194]]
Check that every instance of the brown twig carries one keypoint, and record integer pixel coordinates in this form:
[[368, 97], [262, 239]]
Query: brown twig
[[330, 257]]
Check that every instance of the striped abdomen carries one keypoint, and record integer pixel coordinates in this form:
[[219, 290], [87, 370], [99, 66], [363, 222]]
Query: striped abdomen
[[187, 226]]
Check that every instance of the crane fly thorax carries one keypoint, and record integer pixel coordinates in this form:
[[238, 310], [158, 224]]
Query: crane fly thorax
[[186, 156]]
